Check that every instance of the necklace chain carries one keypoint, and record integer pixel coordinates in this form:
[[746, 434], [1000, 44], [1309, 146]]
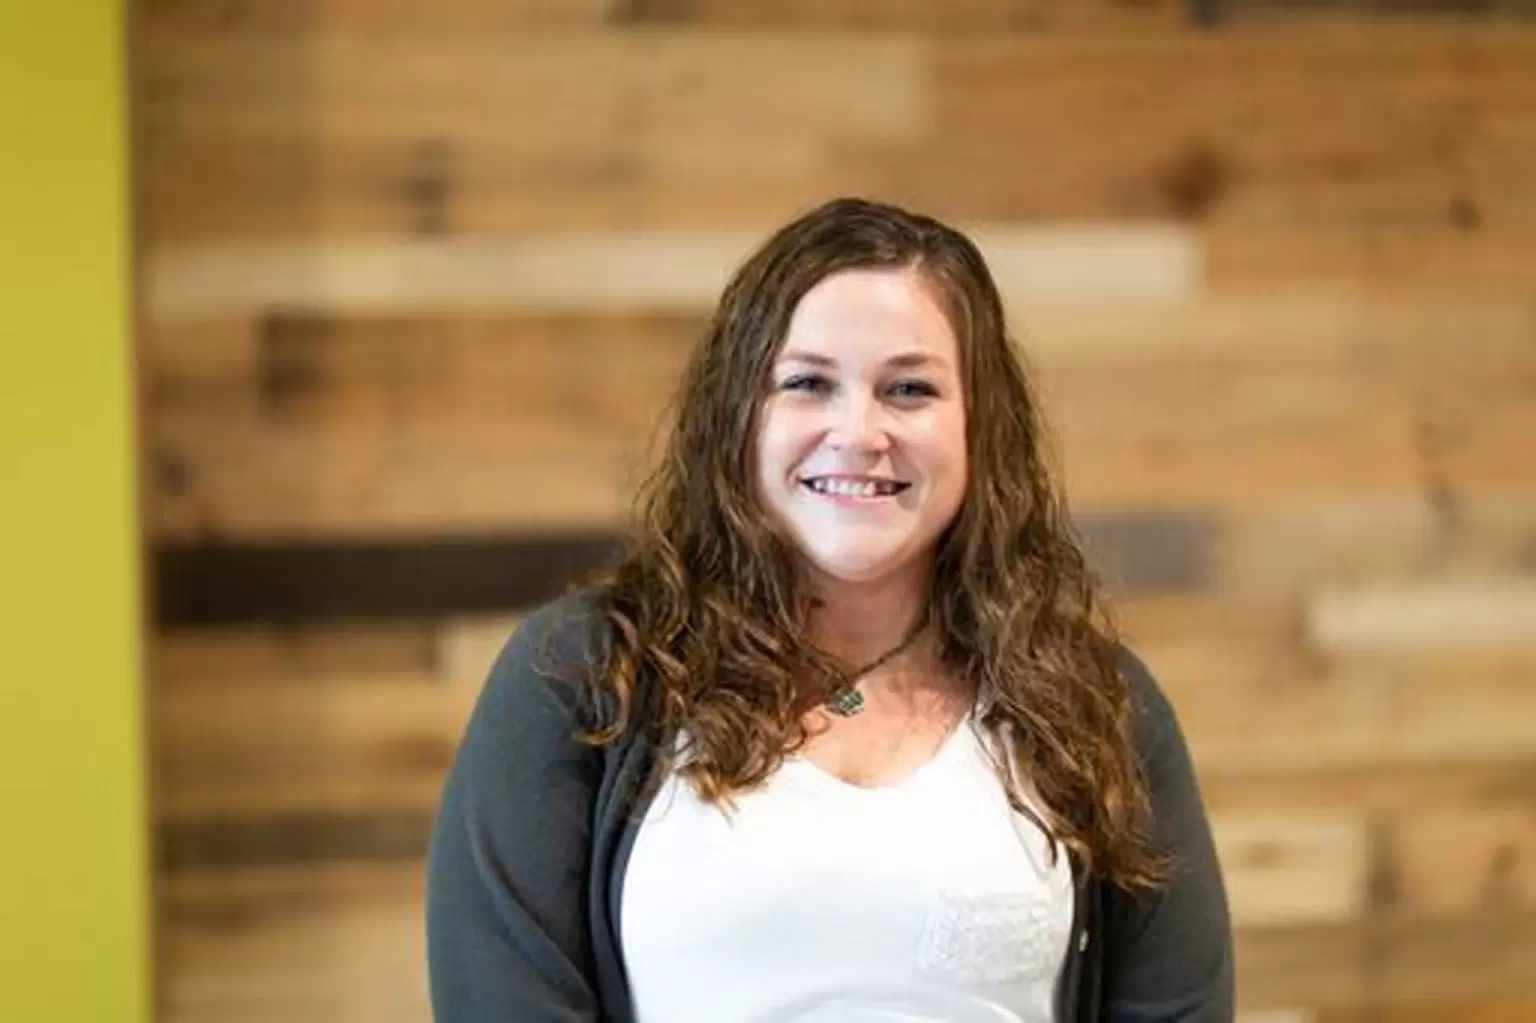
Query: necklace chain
[[846, 700]]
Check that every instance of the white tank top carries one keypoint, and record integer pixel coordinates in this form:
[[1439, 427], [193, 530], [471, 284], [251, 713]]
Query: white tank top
[[824, 902]]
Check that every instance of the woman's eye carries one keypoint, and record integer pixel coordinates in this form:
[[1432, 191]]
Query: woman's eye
[[809, 382], [914, 389]]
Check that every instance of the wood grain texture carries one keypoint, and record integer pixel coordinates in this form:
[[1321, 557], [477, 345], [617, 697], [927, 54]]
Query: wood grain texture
[[959, 17], [394, 423], [677, 271], [300, 17], [418, 283], [253, 136], [339, 943]]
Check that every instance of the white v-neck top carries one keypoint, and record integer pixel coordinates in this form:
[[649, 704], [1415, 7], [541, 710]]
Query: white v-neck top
[[819, 901]]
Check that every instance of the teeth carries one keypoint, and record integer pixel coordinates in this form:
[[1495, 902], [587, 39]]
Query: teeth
[[852, 488]]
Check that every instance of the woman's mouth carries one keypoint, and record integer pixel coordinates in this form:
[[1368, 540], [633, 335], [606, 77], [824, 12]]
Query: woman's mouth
[[861, 488]]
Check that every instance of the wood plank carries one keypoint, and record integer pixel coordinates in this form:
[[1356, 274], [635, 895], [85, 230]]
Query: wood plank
[[262, 138], [268, 747], [254, 136], [1455, 418], [247, 17], [467, 647], [483, 419], [682, 272], [1515, 1009], [1294, 546], [1378, 791], [1401, 335], [1379, 969], [1464, 708], [1478, 859], [189, 658], [219, 582], [1285, 871], [1402, 617], [1384, 260], [333, 943], [1280, 151], [491, 16], [674, 88], [961, 16], [247, 838], [1324, 966], [302, 721], [1464, 958]]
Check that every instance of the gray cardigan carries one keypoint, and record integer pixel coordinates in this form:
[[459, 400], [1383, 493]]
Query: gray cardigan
[[528, 851]]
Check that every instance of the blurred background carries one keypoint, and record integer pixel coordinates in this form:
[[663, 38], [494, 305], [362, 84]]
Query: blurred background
[[411, 284]]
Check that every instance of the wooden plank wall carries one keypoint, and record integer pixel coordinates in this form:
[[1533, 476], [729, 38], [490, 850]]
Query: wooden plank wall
[[417, 279]]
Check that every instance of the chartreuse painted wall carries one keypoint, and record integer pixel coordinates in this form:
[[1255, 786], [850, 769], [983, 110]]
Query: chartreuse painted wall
[[74, 904]]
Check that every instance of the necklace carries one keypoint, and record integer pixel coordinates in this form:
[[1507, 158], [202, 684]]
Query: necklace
[[846, 700]]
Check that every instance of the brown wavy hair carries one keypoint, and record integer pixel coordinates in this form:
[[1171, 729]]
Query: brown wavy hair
[[706, 622]]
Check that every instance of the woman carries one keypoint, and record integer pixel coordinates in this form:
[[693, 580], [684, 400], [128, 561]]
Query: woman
[[847, 735]]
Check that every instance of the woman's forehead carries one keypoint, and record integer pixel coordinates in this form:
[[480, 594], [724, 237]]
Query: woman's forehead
[[889, 314]]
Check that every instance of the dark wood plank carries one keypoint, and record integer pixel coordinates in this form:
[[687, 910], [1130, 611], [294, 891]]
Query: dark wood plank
[[277, 840], [315, 581]]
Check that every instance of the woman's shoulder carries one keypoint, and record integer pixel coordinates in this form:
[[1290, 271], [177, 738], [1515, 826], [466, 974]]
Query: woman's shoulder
[[1157, 723], [570, 629], [551, 658]]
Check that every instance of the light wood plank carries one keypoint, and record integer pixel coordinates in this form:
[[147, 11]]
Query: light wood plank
[[214, 657], [1292, 547], [1460, 709], [1293, 871], [253, 722], [1450, 614], [1396, 337], [671, 271], [467, 647], [1473, 859], [273, 747], [1378, 791], [342, 944]]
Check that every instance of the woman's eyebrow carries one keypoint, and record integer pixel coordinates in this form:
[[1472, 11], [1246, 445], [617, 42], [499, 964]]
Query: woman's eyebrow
[[813, 358], [912, 360], [903, 360]]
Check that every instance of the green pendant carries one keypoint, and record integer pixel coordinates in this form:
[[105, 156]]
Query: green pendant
[[846, 702]]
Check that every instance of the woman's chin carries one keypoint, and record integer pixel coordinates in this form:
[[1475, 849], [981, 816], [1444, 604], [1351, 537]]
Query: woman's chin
[[857, 566]]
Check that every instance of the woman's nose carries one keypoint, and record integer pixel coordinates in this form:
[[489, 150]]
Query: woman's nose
[[859, 422]]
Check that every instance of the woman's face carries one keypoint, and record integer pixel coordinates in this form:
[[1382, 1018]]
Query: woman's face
[[861, 449]]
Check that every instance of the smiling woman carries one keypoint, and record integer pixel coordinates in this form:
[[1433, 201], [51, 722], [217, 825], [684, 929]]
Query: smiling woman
[[861, 450], [847, 734]]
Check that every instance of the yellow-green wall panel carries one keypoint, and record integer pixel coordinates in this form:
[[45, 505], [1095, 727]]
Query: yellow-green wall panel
[[74, 905]]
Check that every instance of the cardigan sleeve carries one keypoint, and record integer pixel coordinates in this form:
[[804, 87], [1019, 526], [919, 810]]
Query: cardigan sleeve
[[506, 920], [1168, 955]]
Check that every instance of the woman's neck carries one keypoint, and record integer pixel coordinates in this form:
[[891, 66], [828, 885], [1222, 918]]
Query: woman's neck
[[860, 622]]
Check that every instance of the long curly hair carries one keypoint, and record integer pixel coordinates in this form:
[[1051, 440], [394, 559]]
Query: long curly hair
[[704, 606]]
